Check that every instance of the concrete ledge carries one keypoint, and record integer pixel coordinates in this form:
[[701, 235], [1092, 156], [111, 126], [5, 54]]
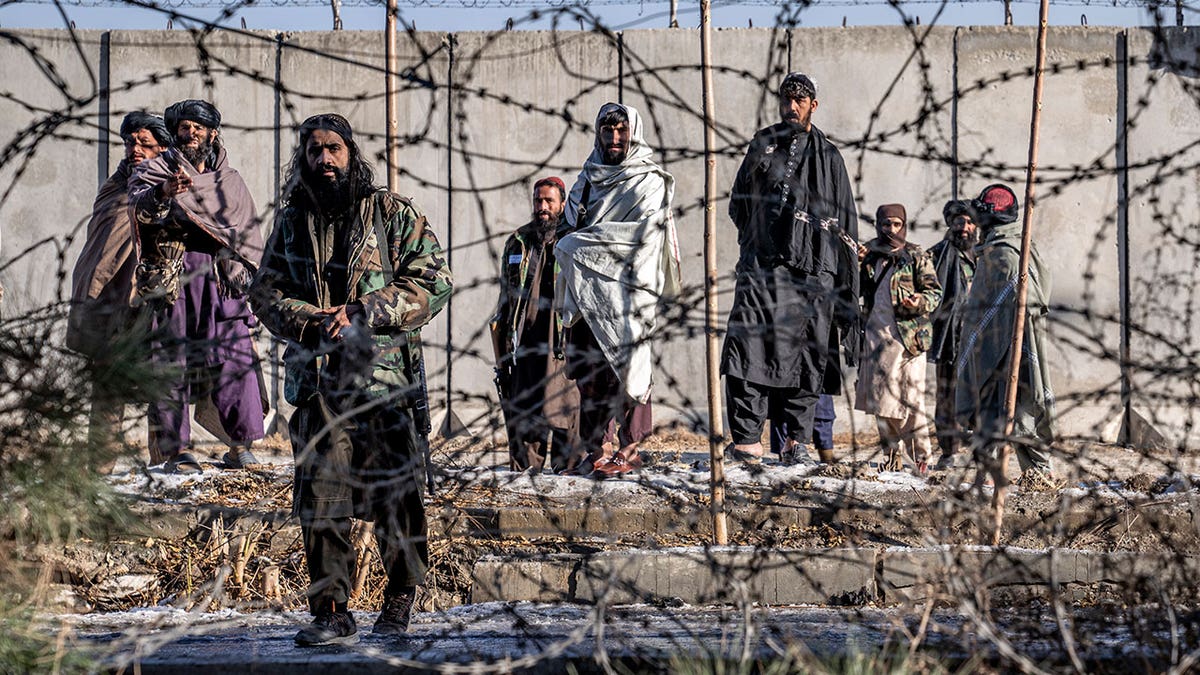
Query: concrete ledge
[[911, 574], [693, 576]]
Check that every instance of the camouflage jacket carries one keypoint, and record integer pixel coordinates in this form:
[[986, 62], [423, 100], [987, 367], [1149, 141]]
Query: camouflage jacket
[[915, 277], [516, 288], [297, 277]]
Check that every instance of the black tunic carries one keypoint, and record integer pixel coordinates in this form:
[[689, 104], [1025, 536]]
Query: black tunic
[[797, 274]]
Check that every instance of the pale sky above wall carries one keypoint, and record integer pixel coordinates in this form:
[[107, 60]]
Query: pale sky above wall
[[451, 15]]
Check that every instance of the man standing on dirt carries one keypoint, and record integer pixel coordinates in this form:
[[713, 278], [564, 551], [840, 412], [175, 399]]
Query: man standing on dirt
[[541, 406], [797, 278], [197, 240], [350, 275]]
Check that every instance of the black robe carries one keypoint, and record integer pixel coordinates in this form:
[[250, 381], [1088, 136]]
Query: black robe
[[955, 269], [797, 275]]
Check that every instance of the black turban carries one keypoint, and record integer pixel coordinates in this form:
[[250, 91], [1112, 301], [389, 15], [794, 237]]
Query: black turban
[[797, 86], [138, 120], [957, 207], [996, 205], [193, 110], [329, 122]]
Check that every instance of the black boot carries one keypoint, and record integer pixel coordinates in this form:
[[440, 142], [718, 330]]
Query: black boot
[[396, 612], [333, 625]]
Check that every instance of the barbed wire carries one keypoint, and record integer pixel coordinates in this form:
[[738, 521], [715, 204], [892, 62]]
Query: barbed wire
[[1107, 560], [554, 4]]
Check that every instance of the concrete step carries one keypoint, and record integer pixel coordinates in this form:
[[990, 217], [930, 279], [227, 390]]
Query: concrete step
[[839, 576]]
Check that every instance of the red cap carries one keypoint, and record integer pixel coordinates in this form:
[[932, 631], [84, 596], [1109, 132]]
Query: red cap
[[551, 180]]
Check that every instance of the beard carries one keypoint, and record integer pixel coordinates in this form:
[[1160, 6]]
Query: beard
[[199, 154], [964, 242], [331, 196]]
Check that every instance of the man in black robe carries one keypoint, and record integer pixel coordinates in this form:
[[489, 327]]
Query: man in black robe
[[954, 258], [797, 277]]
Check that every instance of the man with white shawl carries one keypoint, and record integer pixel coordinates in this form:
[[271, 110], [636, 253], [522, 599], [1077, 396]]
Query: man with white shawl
[[620, 260]]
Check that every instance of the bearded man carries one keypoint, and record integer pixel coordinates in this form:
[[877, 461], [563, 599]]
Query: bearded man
[[954, 259], [988, 317], [101, 323], [619, 262], [797, 279], [541, 406], [197, 237], [350, 275]]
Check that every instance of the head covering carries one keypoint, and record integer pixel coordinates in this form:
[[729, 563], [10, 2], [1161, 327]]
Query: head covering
[[638, 151], [551, 180], [797, 85], [193, 110], [957, 207], [897, 240], [138, 120], [329, 122], [996, 205]]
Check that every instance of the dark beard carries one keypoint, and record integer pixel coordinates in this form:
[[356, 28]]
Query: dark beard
[[331, 198], [964, 243], [198, 155]]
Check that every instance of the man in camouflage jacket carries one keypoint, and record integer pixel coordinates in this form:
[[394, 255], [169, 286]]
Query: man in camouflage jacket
[[541, 406], [351, 317], [899, 290]]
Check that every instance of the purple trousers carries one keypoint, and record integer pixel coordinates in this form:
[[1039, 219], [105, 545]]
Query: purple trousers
[[205, 339]]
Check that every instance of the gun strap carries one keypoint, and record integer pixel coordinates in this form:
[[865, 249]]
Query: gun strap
[[582, 213]]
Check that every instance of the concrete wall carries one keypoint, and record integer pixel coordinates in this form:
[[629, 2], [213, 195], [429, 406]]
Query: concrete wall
[[921, 114]]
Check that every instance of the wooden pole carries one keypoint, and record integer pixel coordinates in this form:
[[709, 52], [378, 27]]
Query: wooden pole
[[1018, 341], [674, 14], [390, 94], [716, 450]]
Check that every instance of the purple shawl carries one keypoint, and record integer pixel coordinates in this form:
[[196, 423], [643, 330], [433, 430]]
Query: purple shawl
[[218, 205]]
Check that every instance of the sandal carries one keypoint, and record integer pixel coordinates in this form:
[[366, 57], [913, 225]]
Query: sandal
[[183, 463], [615, 466]]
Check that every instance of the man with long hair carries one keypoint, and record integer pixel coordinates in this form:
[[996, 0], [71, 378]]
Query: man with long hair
[[197, 239], [350, 275]]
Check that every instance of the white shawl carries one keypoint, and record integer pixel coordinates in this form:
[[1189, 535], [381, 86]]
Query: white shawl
[[615, 270]]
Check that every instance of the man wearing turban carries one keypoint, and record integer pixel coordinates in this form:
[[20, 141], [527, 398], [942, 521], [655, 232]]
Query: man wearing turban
[[198, 241], [797, 279], [541, 406]]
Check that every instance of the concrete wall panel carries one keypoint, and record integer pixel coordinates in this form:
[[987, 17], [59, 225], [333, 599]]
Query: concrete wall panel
[[1075, 219], [49, 117], [524, 108], [1164, 227], [663, 80]]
